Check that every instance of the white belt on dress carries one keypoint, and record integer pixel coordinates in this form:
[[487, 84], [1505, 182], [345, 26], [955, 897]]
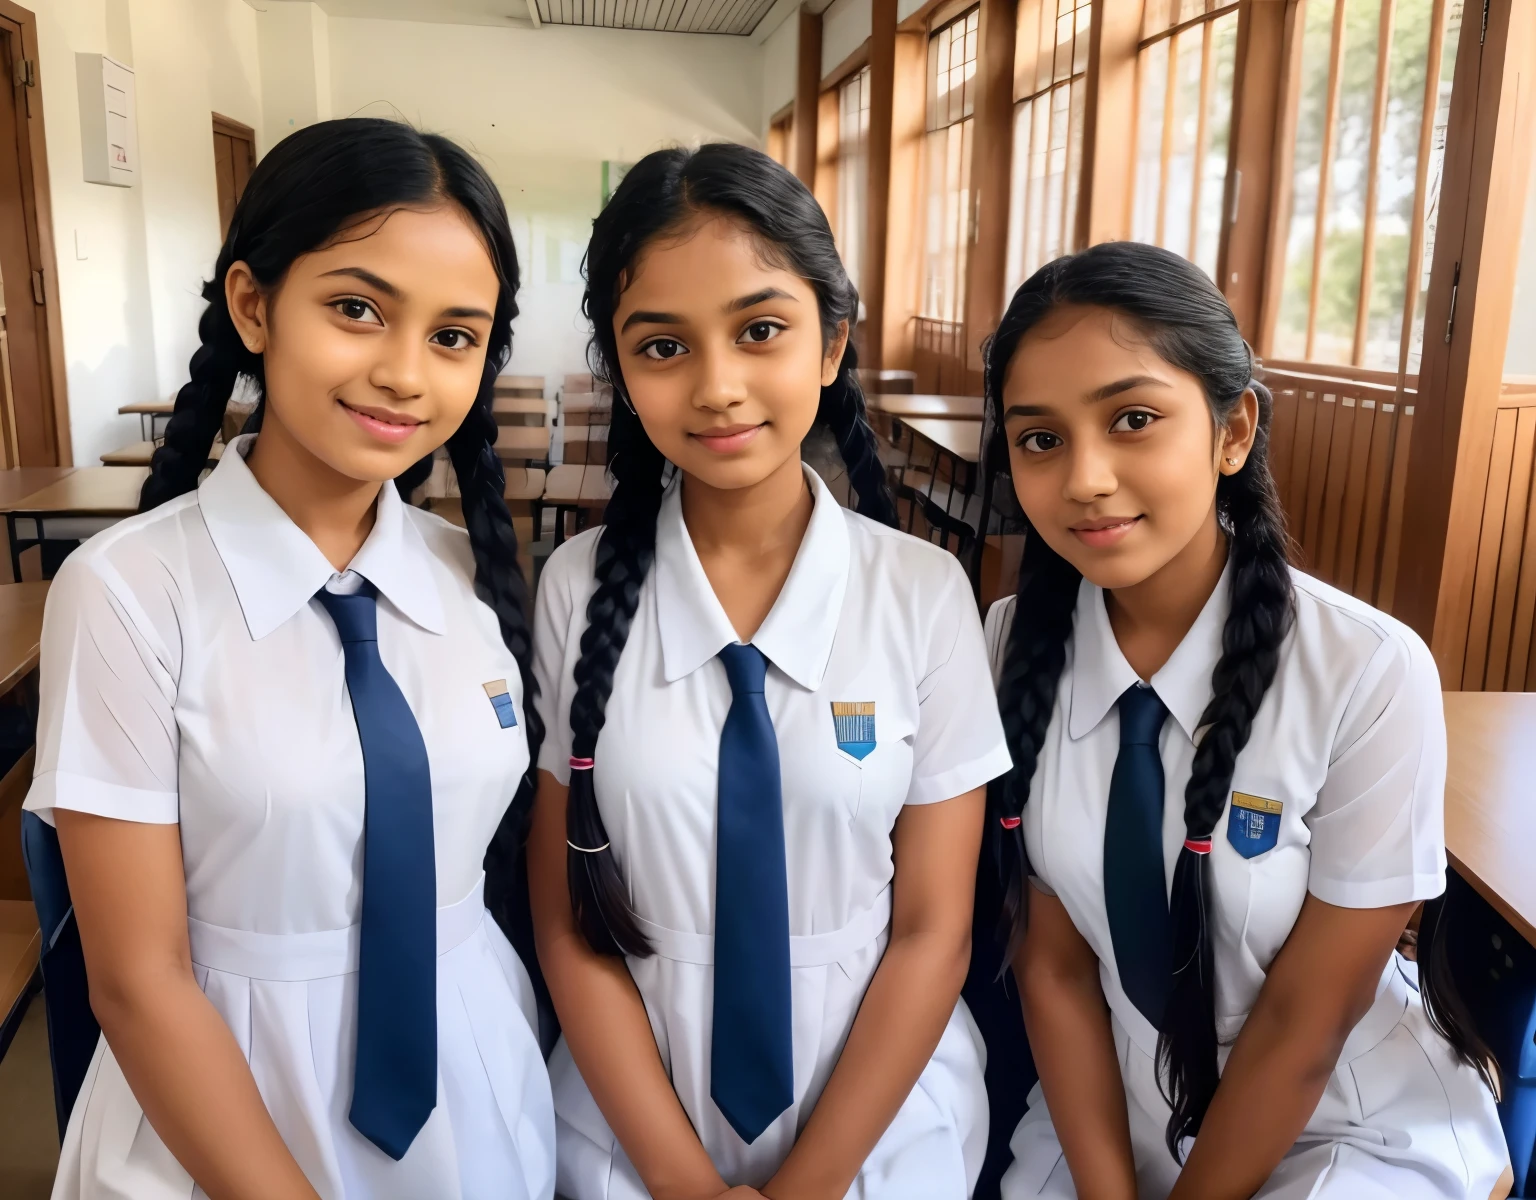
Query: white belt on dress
[[293, 957], [808, 950]]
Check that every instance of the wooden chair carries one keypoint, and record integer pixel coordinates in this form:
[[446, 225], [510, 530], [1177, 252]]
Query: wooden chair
[[577, 383], [527, 386], [576, 490], [586, 408], [523, 443], [896, 383]]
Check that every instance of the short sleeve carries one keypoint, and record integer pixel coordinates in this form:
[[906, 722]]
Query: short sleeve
[[959, 743], [554, 656], [1378, 827], [107, 741]]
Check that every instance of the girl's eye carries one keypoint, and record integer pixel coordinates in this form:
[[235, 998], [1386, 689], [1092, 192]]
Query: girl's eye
[[663, 349], [1039, 441], [357, 310], [761, 331], [1132, 422], [454, 339]]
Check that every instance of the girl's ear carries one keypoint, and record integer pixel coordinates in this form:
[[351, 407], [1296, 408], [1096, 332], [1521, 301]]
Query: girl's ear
[[1236, 442], [247, 307], [833, 360]]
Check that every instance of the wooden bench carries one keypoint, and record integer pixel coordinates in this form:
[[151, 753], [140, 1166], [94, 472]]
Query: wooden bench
[[524, 386], [139, 454], [148, 412], [523, 443]]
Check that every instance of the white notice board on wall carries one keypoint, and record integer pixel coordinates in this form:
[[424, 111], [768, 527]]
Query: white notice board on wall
[[109, 138]]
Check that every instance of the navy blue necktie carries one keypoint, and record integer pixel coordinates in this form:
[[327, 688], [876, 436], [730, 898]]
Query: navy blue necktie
[[1135, 894], [752, 1067], [394, 1082]]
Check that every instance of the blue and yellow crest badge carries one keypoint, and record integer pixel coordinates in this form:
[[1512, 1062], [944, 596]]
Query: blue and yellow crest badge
[[854, 723], [1253, 824], [501, 701]]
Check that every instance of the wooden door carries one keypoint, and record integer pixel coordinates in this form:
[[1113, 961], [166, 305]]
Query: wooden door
[[29, 433], [234, 157]]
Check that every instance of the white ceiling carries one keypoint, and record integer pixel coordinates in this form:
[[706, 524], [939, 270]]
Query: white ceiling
[[674, 16]]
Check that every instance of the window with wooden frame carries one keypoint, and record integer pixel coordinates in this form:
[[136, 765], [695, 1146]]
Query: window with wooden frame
[[852, 169], [1371, 110], [1049, 91], [950, 113], [1185, 68], [780, 141]]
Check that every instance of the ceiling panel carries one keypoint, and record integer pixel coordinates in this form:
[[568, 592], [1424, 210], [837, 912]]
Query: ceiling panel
[[734, 17]]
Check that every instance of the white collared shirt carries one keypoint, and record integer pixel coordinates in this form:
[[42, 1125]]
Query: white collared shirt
[[189, 676], [1349, 743], [867, 615]]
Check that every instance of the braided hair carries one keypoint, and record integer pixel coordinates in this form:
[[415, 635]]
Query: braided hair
[[312, 188], [660, 194], [1183, 317]]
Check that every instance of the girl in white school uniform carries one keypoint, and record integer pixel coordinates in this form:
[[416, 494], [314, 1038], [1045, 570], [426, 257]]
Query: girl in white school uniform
[[1226, 796], [282, 719], [760, 795]]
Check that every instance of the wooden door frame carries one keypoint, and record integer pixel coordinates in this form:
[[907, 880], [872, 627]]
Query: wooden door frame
[[231, 127], [37, 206]]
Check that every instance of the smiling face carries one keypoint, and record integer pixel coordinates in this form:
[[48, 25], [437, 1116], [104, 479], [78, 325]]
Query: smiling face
[[722, 354], [1114, 452], [373, 346]]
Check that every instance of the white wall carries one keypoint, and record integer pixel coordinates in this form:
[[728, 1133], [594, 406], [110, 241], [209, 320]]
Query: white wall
[[131, 260], [780, 51], [543, 109], [845, 27], [294, 46]]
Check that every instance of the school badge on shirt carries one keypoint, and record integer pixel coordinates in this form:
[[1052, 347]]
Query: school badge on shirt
[[854, 723], [1253, 824], [501, 701]]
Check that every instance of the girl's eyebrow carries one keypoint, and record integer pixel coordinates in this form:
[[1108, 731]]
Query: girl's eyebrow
[[1107, 392], [649, 317]]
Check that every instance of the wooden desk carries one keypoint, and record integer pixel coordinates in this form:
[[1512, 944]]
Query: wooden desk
[[505, 404], [576, 488], [523, 442], [139, 454], [148, 412], [81, 503], [954, 408], [959, 439], [20, 482], [1491, 771]]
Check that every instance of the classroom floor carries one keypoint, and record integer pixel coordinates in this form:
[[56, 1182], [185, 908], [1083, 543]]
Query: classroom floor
[[29, 1135]]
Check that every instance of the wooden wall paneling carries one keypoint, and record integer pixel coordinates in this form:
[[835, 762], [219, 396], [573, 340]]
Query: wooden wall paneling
[[903, 246], [1397, 499], [827, 147], [1256, 112], [1282, 440], [1109, 162], [1487, 166], [807, 96], [1511, 548], [1278, 226], [1340, 452], [1317, 472], [1352, 502], [1523, 617], [1378, 476], [991, 173], [1307, 405], [1490, 536], [882, 84]]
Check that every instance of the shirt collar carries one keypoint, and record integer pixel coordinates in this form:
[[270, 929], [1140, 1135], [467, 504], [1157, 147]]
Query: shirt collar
[[276, 569], [797, 634], [1100, 673]]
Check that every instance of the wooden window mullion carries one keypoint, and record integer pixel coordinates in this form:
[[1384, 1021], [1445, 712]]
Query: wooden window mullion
[[1170, 94], [1421, 181], [1373, 163], [1325, 170], [1202, 124]]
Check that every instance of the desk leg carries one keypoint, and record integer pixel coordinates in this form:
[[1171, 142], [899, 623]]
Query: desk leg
[[10, 532]]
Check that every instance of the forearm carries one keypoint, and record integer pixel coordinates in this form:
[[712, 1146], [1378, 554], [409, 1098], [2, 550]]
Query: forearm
[[195, 1086], [903, 1015], [609, 1035], [1072, 1040], [1280, 1066]]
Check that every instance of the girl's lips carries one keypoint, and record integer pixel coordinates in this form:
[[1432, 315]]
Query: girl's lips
[[386, 431], [1102, 536], [731, 438]]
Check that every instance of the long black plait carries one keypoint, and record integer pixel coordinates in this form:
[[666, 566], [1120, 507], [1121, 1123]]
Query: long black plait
[[625, 551], [1261, 613]]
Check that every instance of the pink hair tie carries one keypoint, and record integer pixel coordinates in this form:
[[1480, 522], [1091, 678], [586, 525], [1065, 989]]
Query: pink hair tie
[[1198, 845], [580, 764], [1011, 822]]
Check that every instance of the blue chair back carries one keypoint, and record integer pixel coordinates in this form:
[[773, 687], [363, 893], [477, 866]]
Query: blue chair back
[[72, 1028], [1494, 969]]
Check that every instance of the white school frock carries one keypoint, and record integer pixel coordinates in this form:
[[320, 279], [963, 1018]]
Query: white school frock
[[868, 616], [189, 677], [1340, 794]]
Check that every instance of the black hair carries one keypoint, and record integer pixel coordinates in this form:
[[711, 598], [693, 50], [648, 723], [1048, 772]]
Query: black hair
[[661, 194], [312, 188], [1183, 317]]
